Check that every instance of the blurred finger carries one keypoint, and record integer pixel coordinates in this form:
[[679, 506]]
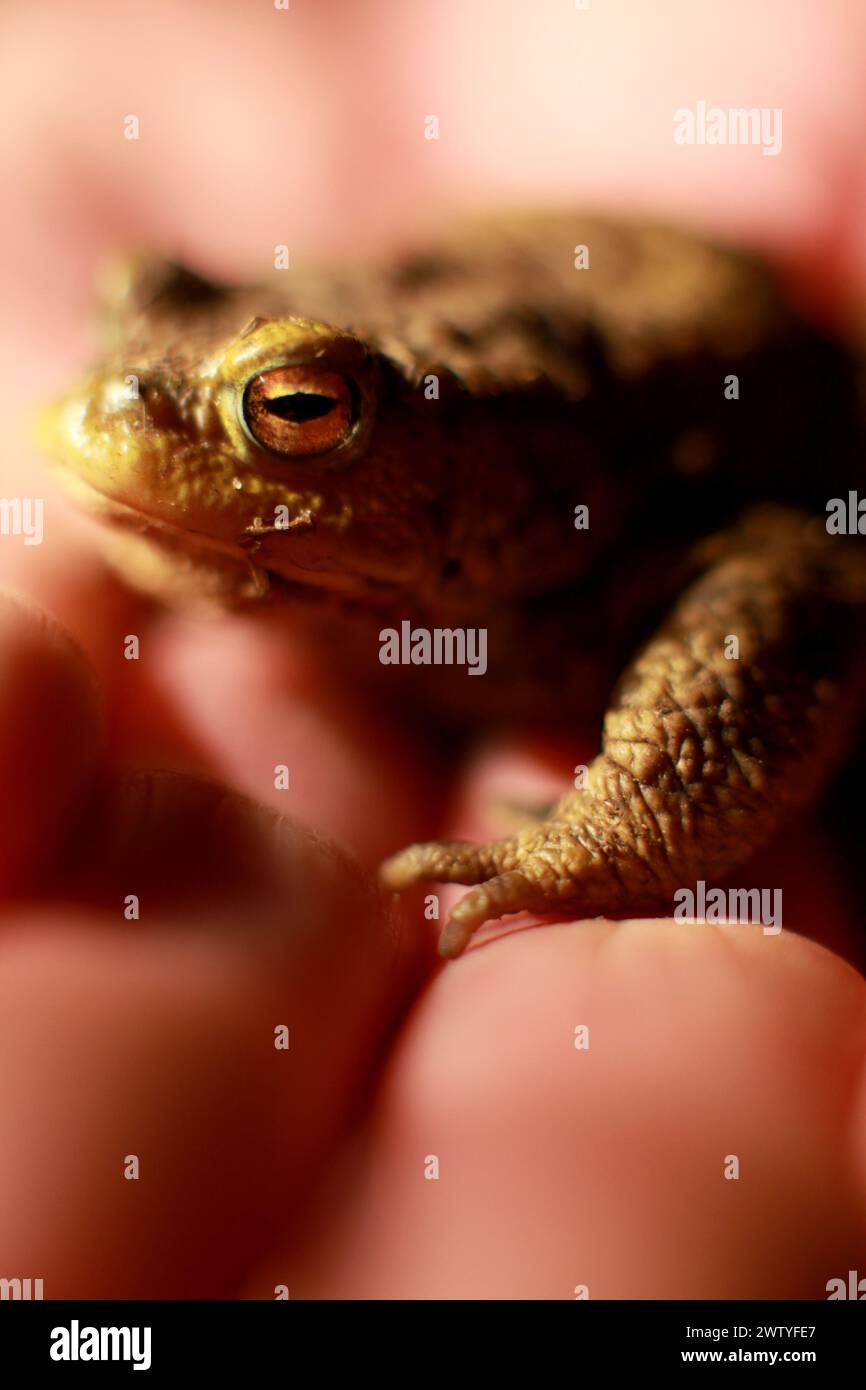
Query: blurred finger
[[50, 733]]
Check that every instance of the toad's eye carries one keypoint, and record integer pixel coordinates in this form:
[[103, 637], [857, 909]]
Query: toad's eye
[[300, 410]]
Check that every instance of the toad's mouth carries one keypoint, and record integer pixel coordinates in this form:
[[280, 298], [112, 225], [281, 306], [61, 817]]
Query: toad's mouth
[[234, 567]]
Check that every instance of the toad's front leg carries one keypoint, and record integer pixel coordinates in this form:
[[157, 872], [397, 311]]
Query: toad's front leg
[[729, 719]]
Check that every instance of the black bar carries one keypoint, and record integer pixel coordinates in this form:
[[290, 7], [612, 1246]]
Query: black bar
[[236, 1338]]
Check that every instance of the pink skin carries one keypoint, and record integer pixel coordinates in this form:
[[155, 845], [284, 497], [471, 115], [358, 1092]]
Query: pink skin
[[558, 1167]]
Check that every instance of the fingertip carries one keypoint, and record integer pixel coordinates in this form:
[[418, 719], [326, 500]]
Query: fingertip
[[50, 735]]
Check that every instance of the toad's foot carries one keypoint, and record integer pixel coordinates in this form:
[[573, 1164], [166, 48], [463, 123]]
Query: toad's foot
[[550, 868], [730, 717]]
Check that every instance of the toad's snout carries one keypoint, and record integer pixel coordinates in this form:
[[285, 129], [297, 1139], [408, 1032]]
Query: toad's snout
[[126, 438], [94, 433]]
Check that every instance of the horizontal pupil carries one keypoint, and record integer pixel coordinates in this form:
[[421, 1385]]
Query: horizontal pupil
[[300, 406]]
